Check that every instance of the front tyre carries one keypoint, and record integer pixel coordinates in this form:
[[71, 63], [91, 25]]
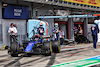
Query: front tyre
[[56, 46], [47, 48]]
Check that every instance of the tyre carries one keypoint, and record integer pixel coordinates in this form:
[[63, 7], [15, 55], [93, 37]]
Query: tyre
[[55, 46], [61, 41], [14, 49], [47, 48], [25, 43]]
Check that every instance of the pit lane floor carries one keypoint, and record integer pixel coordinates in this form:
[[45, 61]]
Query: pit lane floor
[[66, 55]]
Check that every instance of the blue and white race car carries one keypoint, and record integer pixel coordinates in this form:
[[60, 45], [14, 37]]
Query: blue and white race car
[[35, 44]]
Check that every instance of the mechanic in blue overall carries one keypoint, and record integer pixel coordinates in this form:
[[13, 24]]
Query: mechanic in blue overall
[[95, 31], [40, 29], [56, 31]]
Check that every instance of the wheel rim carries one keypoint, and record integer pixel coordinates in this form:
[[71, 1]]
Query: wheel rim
[[59, 48], [50, 47]]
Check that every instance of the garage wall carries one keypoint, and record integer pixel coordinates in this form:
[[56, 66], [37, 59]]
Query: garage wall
[[89, 31], [21, 27], [0, 10], [71, 27], [42, 10], [16, 2], [86, 27], [0, 22], [0, 25], [0, 30]]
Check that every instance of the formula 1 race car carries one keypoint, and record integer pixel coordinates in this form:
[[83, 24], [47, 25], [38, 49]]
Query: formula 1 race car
[[35, 44], [38, 45]]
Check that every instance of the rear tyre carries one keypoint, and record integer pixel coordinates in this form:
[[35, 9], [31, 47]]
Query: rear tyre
[[14, 49], [47, 48], [55, 46]]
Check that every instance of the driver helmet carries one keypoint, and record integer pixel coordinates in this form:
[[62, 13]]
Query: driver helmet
[[36, 36]]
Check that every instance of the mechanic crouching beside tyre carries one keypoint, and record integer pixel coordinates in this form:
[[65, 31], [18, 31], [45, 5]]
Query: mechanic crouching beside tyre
[[12, 32]]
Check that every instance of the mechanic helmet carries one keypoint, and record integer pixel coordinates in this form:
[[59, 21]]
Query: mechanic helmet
[[41, 24], [56, 24]]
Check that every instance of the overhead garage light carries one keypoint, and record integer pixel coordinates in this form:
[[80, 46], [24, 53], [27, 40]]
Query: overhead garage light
[[5, 5]]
